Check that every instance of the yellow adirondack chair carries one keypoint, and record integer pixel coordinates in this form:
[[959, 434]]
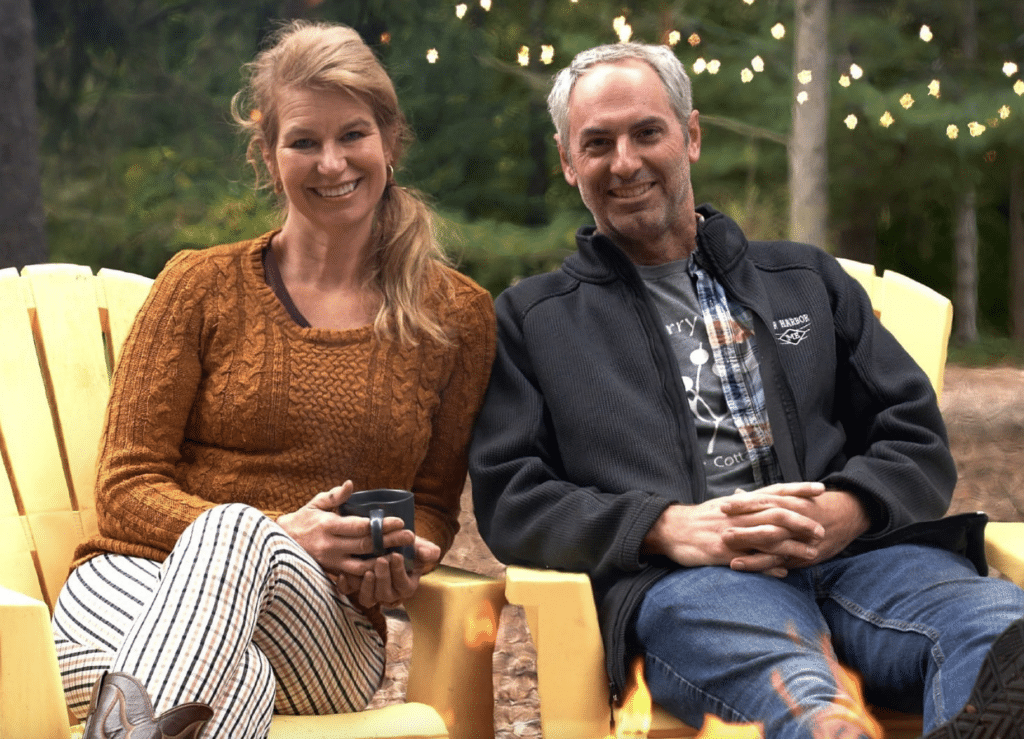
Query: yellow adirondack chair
[[559, 606], [61, 330]]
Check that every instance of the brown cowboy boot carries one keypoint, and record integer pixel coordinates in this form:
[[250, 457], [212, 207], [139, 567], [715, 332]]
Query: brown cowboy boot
[[121, 709]]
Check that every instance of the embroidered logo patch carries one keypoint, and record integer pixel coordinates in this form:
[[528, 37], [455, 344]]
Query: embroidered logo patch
[[791, 331]]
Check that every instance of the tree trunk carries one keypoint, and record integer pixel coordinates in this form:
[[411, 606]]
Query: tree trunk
[[1017, 249], [808, 150], [22, 233], [965, 319]]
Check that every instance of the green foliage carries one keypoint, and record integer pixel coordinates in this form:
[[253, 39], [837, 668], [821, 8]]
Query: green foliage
[[989, 350], [140, 159], [498, 253]]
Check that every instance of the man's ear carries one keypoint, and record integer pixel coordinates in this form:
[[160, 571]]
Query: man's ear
[[567, 169]]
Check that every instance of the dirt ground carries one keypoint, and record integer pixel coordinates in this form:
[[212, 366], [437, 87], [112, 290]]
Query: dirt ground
[[984, 412]]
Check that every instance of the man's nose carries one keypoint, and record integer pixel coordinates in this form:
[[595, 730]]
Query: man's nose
[[626, 161]]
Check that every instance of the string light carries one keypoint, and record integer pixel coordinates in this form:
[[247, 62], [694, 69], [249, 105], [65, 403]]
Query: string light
[[757, 63], [460, 10], [1009, 69], [432, 56], [804, 76], [1018, 87], [623, 29], [952, 131], [802, 97], [1004, 112], [926, 34], [907, 100], [856, 72], [486, 5], [746, 75], [976, 128], [524, 56], [933, 88], [886, 120], [850, 121], [674, 37], [700, 65], [694, 39], [713, 66], [547, 53], [778, 31]]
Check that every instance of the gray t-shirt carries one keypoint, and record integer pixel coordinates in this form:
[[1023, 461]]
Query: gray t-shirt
[[725, 456]]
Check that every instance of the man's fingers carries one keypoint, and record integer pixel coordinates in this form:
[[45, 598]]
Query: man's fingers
[[769, 540]]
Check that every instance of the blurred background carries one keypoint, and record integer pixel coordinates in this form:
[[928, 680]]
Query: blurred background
[[889, 131]]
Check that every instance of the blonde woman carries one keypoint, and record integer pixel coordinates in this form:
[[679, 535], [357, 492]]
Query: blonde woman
[[262, 383]]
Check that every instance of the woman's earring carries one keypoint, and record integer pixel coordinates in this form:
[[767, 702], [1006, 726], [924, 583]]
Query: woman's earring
[[391, 173]]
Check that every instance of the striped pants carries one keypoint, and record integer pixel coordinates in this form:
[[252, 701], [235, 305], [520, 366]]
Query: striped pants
[[239, 616]]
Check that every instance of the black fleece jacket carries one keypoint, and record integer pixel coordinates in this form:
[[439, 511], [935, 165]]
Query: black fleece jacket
[[585, 436]]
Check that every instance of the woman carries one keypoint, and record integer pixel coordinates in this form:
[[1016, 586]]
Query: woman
[[262, 383]]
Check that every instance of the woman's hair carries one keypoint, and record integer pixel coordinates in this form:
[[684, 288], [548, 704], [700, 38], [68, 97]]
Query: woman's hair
[[404, 251], [660, 58]]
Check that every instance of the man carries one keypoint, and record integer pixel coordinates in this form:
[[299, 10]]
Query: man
[[749, 467]]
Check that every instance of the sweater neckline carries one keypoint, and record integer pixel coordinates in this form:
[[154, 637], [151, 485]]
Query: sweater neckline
[[255, 279]]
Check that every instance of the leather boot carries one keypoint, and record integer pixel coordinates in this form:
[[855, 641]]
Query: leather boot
[[121, 709]]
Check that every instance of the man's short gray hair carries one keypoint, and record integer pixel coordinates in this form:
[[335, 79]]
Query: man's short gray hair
[[661, 58]]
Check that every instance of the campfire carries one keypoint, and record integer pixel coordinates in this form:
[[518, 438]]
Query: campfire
[[848, 707]]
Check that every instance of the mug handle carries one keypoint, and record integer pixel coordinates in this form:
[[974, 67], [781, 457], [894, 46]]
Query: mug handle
[[377, 531]]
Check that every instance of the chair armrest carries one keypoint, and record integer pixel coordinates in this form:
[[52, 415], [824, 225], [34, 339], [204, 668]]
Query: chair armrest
[[1004, 549], [31, 693], [454, 617], [571, 679]]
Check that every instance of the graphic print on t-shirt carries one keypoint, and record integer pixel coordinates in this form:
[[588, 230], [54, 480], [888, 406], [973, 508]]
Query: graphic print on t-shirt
[[725, 456]]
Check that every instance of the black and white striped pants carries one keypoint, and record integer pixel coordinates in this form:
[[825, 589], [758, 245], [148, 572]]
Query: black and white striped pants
[[239, 616]]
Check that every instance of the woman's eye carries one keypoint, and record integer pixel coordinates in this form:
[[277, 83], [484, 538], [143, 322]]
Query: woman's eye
[[303, 144], [353, 136]]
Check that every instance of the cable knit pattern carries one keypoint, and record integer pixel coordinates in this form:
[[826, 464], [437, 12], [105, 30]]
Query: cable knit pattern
[[221, 397]]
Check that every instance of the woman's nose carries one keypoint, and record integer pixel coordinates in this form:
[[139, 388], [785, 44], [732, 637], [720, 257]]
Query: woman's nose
[[332, 158]]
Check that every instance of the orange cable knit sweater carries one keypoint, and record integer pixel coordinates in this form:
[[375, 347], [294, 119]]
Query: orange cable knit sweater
[[221, 397]]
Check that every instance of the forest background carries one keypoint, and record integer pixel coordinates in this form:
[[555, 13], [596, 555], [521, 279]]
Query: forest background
[[889, 131]]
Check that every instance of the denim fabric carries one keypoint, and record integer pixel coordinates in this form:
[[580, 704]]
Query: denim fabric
[[913, 622]]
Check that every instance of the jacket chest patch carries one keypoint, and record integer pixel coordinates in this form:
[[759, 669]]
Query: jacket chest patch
[[791, 331]]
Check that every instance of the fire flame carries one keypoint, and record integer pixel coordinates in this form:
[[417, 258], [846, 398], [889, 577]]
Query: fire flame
[[634, 719], [481, 628], [848, 706], [715, 728]]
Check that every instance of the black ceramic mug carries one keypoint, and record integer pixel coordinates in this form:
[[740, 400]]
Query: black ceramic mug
[[377, 505]]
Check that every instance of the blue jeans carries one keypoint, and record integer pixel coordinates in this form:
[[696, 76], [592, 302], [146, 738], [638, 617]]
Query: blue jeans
[[913, 622]]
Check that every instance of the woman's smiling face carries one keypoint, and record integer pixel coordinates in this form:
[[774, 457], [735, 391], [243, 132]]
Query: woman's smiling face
[[331, 159]]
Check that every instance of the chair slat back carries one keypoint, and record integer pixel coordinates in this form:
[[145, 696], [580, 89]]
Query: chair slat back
[[920, 318], [54, 383]]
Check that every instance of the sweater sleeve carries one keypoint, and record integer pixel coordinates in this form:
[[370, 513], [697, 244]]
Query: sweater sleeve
[[442, 475], [138, 500]]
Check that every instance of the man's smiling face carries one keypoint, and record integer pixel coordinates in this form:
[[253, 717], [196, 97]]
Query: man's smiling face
[[630, 158]]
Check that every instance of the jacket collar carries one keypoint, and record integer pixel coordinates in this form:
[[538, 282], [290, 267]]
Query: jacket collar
[[720, 246]]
